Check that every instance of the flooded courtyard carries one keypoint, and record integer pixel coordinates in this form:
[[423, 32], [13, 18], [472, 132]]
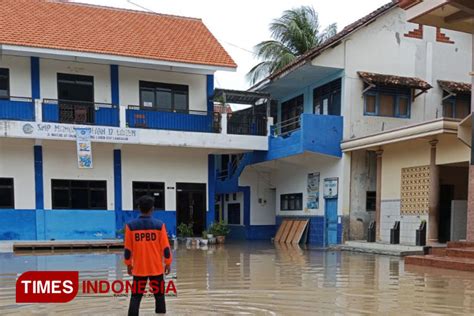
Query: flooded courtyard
[[257, 279]]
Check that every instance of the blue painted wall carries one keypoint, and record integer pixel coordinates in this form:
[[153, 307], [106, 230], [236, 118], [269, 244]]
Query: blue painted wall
[[79, 224], [210, 93], [17, 110], [167, 217], [316, 229], [50, 113], [211, 189], [17, 224], [170, 121], [107, 116]]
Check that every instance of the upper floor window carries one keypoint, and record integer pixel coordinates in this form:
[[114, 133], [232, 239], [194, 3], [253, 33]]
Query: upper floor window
[[4, 83], [164, 96], [290, 112], [388, 101], [79, 194], [77, 88], [458, 106], [7, 199], [456, 98], [327, 98]]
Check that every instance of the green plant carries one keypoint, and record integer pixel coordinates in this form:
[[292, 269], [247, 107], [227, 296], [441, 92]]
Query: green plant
[[204, 234], [120, 231], [185, 230], [220, 229]]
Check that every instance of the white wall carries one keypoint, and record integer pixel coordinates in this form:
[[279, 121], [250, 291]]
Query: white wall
[[20, 74], [49, 69], [60, 162], [262, 195], [381, 47], [17, 161], [161, 164], [129, 85], [239, 199]]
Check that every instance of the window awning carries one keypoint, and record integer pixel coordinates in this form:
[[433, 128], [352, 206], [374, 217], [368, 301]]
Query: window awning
[[239, 97], [375, 79], [454, 88]]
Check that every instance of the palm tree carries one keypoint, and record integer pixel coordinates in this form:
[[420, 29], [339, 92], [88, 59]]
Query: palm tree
[[294, 33]]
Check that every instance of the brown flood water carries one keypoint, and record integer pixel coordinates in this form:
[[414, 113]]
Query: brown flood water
[[258, 279]]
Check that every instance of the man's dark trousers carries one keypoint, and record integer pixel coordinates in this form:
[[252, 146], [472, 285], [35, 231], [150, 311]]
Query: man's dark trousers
[[140, 282]]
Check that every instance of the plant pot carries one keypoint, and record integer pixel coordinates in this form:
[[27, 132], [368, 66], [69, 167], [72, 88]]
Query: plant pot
[[194, 242], [189, 240], [210, 236], [204, 241], [220, 239]]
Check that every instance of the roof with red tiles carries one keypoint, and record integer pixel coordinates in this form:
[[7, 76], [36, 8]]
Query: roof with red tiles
[[455, 87], [94, 29], [394, 81]]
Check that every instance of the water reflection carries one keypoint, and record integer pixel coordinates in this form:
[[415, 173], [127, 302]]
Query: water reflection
[[259, 278]]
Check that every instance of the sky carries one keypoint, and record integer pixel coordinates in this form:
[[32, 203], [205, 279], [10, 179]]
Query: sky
[[241, 24]]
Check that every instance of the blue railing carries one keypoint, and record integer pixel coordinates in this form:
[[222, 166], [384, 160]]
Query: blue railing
[[191, 121], [17, 108], [79, 112]]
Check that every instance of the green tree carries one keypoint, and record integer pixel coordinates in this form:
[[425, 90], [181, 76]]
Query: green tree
[[293, 34]]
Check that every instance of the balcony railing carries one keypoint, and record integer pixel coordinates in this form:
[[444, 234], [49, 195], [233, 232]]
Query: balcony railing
[[186, 120], [80, 112], [247, 124], [17, 108], [285, 128]]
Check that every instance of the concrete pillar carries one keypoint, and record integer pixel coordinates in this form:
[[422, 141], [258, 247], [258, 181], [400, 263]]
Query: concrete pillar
[[378, 194], [224, 123], [470, 199], [433, 209]]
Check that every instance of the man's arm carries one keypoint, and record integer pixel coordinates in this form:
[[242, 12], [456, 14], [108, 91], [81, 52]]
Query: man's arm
[[165, 246], [128, 249]]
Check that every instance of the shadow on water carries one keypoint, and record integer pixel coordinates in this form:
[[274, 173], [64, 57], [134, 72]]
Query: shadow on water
[[258, 278]]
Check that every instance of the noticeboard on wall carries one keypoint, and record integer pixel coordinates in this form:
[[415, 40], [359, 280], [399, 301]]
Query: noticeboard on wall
[[331, 188]]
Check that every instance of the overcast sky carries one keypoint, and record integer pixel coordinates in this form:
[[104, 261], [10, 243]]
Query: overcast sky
[[240, 24]]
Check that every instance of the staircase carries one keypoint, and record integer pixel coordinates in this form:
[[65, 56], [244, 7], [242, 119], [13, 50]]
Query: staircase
[[458, 255]]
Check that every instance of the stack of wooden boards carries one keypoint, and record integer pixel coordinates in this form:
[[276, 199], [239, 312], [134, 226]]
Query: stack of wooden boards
[[291, 231]]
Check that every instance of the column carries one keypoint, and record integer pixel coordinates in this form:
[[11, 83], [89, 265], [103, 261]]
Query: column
[[433, 209], [39, 197], [470, 198], [211, 189], [378, 193]]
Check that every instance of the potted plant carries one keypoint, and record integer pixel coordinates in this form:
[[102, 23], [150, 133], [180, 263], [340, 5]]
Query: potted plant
[[221, 230], [186, 231], [204, 239]]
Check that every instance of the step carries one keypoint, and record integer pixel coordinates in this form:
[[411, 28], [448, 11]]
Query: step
[[438, 251], [454, 263], [461, 244], [460, 252]]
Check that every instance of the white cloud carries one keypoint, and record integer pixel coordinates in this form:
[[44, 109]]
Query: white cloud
[[239, 25]]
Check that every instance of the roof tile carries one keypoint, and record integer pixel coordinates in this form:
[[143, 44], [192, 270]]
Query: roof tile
[[103, 30]]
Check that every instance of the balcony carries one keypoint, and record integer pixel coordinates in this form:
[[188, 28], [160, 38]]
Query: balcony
[[321, 134], [79, 112], [190, 121], [17, 108]]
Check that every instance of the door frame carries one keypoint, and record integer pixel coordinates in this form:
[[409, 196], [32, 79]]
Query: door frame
[[326, 231], [204, 193]]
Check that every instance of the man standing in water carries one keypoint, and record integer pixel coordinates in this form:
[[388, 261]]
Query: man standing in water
[[146, 247]]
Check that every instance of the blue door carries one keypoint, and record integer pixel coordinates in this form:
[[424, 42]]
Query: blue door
[[331, 222]]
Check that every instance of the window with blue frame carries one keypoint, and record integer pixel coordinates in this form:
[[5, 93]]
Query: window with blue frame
[[388, 102], [4, 83], [456, 106]]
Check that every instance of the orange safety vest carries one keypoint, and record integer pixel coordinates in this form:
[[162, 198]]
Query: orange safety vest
[[146, 246]]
